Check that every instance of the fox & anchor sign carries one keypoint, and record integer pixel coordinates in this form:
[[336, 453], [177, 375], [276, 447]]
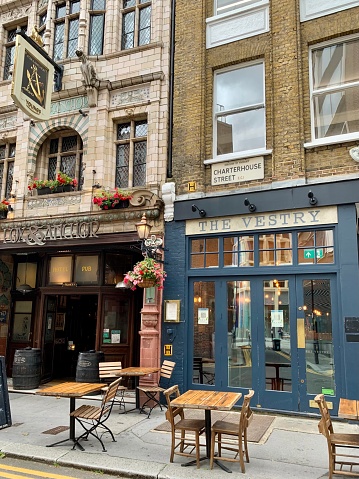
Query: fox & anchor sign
[[33, 80]]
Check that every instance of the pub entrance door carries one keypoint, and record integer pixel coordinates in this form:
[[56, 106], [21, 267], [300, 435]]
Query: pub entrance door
[[271, 334]]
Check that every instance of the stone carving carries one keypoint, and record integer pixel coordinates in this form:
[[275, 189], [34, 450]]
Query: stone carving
[[69, 104], [59, 201], [132, 96], [15, 13], [89, 74], [168, 196], [9, 122], [145, 198]]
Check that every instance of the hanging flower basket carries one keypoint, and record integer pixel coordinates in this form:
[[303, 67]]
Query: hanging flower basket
[[145, 274], [147, 283]]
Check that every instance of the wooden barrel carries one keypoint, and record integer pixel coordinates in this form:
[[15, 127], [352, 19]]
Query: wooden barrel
[[87, 367], [26, 369]]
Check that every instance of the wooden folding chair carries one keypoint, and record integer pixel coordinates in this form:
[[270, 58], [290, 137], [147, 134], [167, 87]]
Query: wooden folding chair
[[340, 446], [229, 430], [93, 418], [180, 427], [153, 392], [108, 372]]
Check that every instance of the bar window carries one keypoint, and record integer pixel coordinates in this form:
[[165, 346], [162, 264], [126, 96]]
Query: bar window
[[86, 270], [205, 253], [238, 251], [60, 270], [275, 249], [316, 247]]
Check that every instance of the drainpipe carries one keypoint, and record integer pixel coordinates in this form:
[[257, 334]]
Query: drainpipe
[[171, 89]]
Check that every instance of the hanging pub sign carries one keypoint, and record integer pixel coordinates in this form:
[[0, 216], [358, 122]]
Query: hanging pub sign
[[33, 79]]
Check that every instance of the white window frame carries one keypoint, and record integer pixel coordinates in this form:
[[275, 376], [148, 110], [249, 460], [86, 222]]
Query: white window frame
[[346, 137], [244, 153], [236, 4]]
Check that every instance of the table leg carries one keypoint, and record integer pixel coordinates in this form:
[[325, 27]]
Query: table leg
[[72, 427], [137, 396]]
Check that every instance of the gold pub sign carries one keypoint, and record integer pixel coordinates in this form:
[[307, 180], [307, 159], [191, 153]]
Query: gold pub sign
[[32, 80]]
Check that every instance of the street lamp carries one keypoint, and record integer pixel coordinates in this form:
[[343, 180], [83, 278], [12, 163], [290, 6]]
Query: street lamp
[[149, 244]]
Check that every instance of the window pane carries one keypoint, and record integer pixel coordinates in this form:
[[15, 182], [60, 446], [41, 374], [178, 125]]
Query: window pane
[[68, 165], [61, 11], [69, 143], [60, 269], [306, 238], [239, 334], [204, 332], [122, 162], [266, 258], [75, 6], [139, 163], [128, 30], [336, 64], [9, 179], [123, 131], [336, 113], [86, 270], [73, 36], [51, 175], [212, 260], [140, 128], [239, 88], [324, 238], [283, 240], [98, 4], [129, 3], [224, 6], [241, 131], [144, 33], [59, 41], [96, 34]]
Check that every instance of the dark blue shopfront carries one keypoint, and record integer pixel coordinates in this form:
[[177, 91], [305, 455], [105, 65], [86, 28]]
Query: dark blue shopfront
[[266, 303]]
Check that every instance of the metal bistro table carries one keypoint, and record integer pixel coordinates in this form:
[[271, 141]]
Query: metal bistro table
[[209, 401], [70, 390], [136, 372]]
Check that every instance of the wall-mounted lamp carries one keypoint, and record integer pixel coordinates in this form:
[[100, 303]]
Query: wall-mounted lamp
[[202, 213], [312, 199], [122, 285], [252, 208], [82, 113], [150, 244]]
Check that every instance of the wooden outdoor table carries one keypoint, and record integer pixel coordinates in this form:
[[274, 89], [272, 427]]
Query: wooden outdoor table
[[348, 409], [209, 401], [70, 390], [136, 372]]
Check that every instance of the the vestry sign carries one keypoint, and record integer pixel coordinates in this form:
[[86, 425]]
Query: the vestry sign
[[33, 80]]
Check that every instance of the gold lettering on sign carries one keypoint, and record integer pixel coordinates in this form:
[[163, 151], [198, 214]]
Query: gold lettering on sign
[[60, 269], [86, 268], [33, 107]]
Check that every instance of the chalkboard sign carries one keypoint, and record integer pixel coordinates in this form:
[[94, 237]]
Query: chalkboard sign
[[5, 415]]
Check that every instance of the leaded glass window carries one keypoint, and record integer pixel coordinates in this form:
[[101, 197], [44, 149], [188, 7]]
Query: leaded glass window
[[136, 23], [66, 29], [7, 155], [131, 154], [64, 153], [97, 25], [10, 51]]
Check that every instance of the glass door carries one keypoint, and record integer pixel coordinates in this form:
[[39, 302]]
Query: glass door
[[271, 334]]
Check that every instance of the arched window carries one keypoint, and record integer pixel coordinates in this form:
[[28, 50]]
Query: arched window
[[62, 151]]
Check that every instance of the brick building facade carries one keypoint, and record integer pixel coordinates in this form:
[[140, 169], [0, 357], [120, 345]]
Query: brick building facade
[[265, 177]]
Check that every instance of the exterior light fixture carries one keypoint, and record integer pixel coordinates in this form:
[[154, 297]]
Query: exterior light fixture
[[149, 244], [251, 207], [202, 213], [312, 199]]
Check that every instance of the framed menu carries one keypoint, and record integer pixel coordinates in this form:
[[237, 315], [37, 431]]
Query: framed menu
[[172, 310]]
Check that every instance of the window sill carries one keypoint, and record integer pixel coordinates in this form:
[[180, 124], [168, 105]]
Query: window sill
[[333, 140], [238, 156]]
